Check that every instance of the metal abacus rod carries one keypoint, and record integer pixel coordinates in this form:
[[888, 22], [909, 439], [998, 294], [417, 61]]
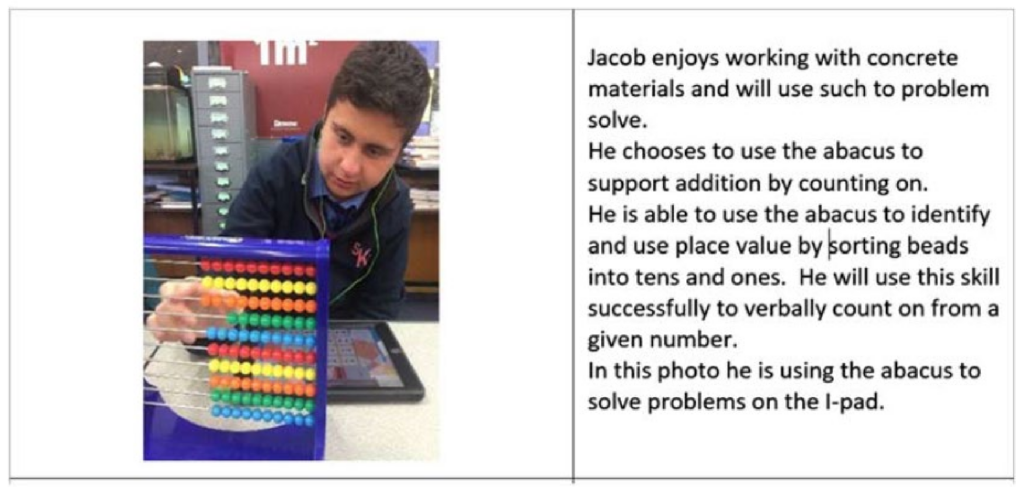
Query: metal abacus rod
[[168, 405], [175, 377]]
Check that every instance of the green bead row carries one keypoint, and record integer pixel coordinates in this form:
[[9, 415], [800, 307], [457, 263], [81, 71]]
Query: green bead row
[[265, 400], [268, 320]]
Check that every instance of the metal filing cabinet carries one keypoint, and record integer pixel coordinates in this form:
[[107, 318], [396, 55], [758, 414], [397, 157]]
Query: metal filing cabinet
[[225, 123]]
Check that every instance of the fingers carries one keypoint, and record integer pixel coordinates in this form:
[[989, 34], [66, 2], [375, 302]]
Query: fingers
[[172, 321]]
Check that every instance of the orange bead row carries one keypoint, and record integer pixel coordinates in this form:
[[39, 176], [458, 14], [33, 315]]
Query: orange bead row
[[292, 388], [218, 300]]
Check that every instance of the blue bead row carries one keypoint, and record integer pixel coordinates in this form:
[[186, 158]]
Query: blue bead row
[[262, 337], [267, 416]]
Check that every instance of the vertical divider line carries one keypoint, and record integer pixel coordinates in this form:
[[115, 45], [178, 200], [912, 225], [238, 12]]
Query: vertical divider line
[[573, 215]]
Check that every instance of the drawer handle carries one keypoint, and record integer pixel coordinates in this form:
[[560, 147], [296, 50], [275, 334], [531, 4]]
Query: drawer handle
[[222, 211], [220, 150], [219, 134], [222, 225], [223, 182], [223, 196], [221, 166], [218, 117], [217, 82], [218, 101]]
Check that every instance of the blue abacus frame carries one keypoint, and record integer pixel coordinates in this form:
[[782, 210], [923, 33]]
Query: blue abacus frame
[[168, 436]]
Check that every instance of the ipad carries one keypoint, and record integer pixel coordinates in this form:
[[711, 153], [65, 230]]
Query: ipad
[[365, 363]]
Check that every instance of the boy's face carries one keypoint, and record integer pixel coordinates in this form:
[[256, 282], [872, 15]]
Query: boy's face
[[357, 148]]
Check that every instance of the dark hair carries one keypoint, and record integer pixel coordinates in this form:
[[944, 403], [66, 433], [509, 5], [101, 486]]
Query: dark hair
[[389, 77]]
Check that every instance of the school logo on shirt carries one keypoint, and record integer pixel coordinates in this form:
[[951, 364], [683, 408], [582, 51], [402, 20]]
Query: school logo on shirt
[[361, 254]]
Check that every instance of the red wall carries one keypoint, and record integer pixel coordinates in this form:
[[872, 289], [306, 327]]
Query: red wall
[[287, 92]]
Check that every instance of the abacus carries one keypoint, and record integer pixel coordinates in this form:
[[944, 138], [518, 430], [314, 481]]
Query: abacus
[[256, 390]]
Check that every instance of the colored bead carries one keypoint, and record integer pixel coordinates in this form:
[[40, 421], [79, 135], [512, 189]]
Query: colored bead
[[310, 405], [229, 300], [267, 387], [266, 353], [229, 284], [253, 284], [256, 368], [236, 413], [214, 381], [257, 386], [268, 401], [298, 357], [254, 337], [276, 321], [287, 340], [287, 356], [215, 410], [278, 401], [254, 303], [236, 397], [268, 416], [246, 382], [268, 371], [300, 306], [278, 418], [310, 272], [309, 421], [254, 319], [289, 419], [275, 286], [310, 390], [287, 287], [204, 264], [310, 323], [222, 334], [218, 282], [265, 304], [275, 338], [207, 282], [278, 355], [275, 304], [288, 390], [286, 269], [233, 351], [265, 321], [212, 349], [299, 287], [243, 351], [232, 335], [232, 318], [214, 365], [216, 301], [288, 401], [265, 337], [288, 322], [243, 336], [311, 306], [224, 366], [236, 383], [246, 414], [310, 341], [287, 305], [263, 268], [264, 285], [236, 367], [310, 357], [229, 266], [217, 266], [251, 267], [257, 415], [278, 389], [278, 370], [206, 300], [275, 268], [223, 350], [288, 372], [239, 266], [241, 284], [246, 399], [215, 395]]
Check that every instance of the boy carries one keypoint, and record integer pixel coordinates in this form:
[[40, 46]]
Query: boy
[[338, 183]]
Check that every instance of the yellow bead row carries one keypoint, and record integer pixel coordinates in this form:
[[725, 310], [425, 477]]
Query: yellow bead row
[[262, 285], [257, 369]]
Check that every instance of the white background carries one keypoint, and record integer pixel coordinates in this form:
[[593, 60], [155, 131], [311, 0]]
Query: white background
[[505, 381], [960, 429]]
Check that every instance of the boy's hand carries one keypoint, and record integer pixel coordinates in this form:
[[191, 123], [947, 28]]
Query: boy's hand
[[181, 308]]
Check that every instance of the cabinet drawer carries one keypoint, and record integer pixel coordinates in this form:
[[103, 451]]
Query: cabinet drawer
[[230, 117], [218, 100], [217, 82]]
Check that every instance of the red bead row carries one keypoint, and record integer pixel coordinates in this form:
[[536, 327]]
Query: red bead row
[[253, 267], [269, 353]]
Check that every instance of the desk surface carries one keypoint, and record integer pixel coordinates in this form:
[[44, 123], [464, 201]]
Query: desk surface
[[354, 431]]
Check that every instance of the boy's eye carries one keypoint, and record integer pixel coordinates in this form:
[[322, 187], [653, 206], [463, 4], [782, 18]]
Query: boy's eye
[[374, 152]]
